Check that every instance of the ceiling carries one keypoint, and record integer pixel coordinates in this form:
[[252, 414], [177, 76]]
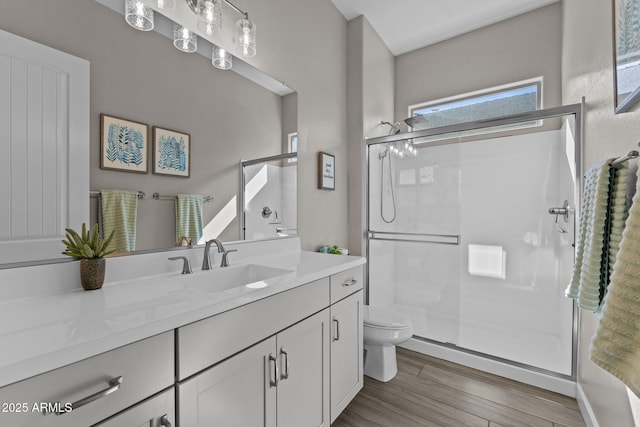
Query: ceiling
[[406, 25]]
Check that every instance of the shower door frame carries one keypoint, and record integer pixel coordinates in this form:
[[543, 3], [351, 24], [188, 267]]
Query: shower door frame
[[574, 110], [241, 198]]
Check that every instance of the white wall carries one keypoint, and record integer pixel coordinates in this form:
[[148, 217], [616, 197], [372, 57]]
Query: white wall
[[587, 70], [517, 49], [370, 74]]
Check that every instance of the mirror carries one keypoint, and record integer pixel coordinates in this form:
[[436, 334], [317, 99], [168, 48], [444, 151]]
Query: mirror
[[141, 77], [626, 52], [269, 197]]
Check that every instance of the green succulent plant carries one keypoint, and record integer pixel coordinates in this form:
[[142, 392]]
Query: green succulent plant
[[87, 244], [335, 250]]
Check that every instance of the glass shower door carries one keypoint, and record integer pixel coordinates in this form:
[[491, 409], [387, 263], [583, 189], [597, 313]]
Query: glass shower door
[[461, 241]]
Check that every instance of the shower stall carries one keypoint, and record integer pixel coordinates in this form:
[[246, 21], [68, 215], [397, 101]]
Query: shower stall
[[269, 198], [471, 235]]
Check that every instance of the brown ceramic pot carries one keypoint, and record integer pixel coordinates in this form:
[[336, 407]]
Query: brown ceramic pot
[[92, 273]]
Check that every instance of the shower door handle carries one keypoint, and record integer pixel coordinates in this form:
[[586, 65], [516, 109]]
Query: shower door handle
[[564, 211]]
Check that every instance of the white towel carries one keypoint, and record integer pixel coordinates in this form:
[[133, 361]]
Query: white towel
[[586, 277], [616, 344]]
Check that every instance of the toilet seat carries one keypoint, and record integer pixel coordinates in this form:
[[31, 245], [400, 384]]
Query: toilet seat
[[382, 318]]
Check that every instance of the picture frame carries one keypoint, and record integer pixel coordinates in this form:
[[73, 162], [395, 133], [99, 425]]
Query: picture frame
[[171, 152], [124, 144], [326, 171], [626, 54]]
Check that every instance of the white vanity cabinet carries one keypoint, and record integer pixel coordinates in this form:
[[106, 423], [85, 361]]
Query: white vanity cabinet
[[346, 352], [157, 411], [346, 338], [89, 391], [282, 381]]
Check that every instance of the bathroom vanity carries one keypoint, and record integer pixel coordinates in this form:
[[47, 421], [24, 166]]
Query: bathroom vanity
[[273, 340]]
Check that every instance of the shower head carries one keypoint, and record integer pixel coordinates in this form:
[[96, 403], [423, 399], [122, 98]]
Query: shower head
[[416, 121], [395, 127]]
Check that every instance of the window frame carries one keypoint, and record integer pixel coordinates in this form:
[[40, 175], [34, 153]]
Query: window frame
[[537, 81]]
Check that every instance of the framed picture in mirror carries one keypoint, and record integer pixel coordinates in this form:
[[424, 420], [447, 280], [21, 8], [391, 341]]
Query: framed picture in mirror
[[626, 54], [326, 171], [171, 152], [124, 144]]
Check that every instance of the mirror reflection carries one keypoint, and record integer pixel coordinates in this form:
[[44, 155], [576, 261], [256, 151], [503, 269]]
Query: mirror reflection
[[143, 78], [269, 197]]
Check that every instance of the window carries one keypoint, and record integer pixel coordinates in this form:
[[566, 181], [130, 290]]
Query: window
[[495, 102], [293, 146]]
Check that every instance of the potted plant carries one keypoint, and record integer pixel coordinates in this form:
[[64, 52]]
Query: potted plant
[[90, 249]]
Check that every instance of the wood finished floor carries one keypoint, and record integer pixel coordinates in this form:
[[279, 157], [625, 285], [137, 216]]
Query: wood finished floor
[[433, 392]]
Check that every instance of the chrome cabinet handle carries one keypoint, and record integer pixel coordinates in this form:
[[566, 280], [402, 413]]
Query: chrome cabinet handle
[[349, 282], [114, 385], [285, 372], [164, 421], [337, 322], [274, 382]]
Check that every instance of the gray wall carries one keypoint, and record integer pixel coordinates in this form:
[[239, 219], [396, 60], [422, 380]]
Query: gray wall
[[370, 83], [520, 48], [587, 70], [304, 45], [141, 76]]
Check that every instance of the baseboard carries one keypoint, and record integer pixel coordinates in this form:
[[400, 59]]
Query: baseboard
[[585, 408]]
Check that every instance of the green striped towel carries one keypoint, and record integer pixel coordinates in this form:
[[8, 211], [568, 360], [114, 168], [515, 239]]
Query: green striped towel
[[616, 344], [189, 217], [619, 213], [586, 275], [117, 212]]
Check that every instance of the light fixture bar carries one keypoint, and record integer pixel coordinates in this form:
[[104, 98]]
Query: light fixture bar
[[237, 9], [193, 5]]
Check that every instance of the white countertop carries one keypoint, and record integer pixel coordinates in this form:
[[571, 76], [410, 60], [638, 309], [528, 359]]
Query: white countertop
[[46, 332]]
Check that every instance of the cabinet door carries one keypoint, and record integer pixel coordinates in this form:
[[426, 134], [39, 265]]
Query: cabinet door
[[303, 388], [157, 411], [238, 392], [346, 352]]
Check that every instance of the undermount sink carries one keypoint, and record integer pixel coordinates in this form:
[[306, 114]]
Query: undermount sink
[[218, 279]]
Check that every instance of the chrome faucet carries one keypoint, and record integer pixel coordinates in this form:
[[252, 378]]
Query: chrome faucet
[[186, 266], [206, 261], [225, 257], [183, 239]]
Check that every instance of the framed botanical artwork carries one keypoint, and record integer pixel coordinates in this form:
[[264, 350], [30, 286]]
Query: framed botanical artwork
[[124, 144], [326, 171], [171, 152]]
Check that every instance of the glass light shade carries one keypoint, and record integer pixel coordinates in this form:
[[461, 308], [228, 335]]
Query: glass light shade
[[246, 37], [184, 39], [138, 15], [166, 4], [220, 58], [209, 14]]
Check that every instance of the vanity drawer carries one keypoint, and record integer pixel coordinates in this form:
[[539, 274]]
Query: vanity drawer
[[145, 368], [346, 283], [209, 341]]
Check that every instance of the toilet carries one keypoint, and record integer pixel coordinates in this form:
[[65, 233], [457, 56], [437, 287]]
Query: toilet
[[383, 329]]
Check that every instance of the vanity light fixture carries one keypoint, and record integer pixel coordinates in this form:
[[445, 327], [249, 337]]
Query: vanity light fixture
[[166, 4], [184, 39], [246, 37], [209, 13], [138, 15], [221, 59]]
